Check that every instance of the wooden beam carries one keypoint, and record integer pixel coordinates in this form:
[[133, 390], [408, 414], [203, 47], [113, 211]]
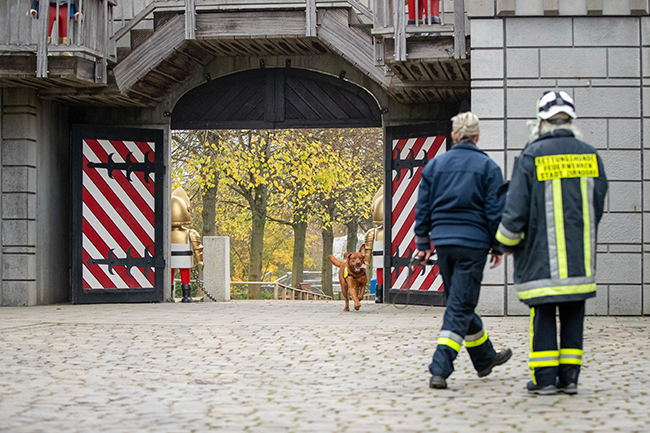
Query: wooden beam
[[41, 53], [441, 47], [351, 43], [400, 32], [378, 46], [245, 24], [190, 20], [102, 61], [378, 20], [144, 58], [311, 18], [430, 83], [460, 50], [134, 22], [361, 8], [18, 48]]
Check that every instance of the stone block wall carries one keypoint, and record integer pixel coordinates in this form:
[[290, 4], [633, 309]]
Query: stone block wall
[[18, 174], [34, 199], [603, 62]]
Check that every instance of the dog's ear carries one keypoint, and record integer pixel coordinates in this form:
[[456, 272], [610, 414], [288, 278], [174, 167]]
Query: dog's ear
[[362, 250], [346, 255]]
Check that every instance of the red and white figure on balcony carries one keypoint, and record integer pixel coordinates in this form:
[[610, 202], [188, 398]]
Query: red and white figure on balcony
[[422, 9], [63, 16]]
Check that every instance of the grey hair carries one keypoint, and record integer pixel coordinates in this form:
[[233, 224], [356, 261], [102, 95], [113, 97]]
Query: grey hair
[[465, 126], [540, 127]]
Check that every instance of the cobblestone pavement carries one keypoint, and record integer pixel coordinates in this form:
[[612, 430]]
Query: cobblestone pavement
[[295, 366]]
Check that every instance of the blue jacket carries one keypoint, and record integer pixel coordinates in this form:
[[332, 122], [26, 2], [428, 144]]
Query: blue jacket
[[458, 202]]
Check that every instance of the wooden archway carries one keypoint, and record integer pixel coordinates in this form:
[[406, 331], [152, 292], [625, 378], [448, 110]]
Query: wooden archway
[[275, 98]]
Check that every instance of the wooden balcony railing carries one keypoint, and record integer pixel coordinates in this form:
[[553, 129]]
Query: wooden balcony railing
[[126, 23], [87, 36], [387, 17], [390, 20]]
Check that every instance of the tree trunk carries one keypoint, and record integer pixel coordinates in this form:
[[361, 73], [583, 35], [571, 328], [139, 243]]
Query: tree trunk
[[328, 243], [299, 236], [209, 212], [353, 228], [257, 248]]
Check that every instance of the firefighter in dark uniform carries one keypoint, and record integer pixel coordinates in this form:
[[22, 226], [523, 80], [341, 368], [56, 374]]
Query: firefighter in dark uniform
[[554, 204], [458, 211]]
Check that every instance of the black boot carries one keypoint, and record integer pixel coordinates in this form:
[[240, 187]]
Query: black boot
[[187, 292], [379, 294]]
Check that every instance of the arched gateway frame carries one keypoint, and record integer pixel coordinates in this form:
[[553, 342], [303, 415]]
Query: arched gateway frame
[[274, 98]]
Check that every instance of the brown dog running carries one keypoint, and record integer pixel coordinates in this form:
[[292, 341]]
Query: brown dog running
[[352, 276]]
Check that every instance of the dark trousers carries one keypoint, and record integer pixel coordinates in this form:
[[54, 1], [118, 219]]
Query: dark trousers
[[462, 271], [547, 362]]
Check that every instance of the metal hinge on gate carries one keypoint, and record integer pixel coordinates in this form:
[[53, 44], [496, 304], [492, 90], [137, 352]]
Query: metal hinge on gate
[[131, 165], [408, 163], [146, 262]]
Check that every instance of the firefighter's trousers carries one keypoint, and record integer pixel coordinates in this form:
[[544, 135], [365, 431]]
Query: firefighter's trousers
[[462, 271], [547, 362]]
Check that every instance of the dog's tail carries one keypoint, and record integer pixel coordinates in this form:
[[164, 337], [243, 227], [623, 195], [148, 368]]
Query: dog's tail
[[336, 262]]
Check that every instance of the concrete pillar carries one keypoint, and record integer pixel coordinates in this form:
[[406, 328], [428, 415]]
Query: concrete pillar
[[216, 274], [19, 161]]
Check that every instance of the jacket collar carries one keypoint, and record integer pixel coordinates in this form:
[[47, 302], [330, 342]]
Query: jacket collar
[[466, 145], [557, 133]]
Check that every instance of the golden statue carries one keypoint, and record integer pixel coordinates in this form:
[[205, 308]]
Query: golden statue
[[375, 243], [186, 243]]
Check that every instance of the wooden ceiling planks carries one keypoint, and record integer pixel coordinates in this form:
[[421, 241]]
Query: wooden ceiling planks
[[276, 98]]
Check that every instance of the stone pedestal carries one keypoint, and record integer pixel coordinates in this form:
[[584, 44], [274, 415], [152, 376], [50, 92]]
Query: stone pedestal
[[216, 273]]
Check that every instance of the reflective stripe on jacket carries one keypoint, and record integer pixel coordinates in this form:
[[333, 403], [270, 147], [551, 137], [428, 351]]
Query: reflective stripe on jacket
[[554, 204]]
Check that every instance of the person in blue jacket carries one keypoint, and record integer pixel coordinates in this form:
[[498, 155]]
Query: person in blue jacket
[[458, 211]]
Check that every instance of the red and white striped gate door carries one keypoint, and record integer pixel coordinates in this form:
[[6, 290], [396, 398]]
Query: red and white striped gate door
[[117, 199], [411, 148]]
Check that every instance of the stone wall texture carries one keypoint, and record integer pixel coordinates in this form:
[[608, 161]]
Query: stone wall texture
[[604, 63]]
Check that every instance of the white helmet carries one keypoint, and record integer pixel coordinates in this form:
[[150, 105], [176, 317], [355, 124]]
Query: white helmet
[[553, 103]]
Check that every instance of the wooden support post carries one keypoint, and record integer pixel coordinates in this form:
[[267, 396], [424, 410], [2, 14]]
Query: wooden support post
[[80, 25], [275, 291], [460, 50], [41, 51], [378, 45], [400, 31], [379, 14], [102, 62], [284, 294], [311, 18], [190, 20]]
